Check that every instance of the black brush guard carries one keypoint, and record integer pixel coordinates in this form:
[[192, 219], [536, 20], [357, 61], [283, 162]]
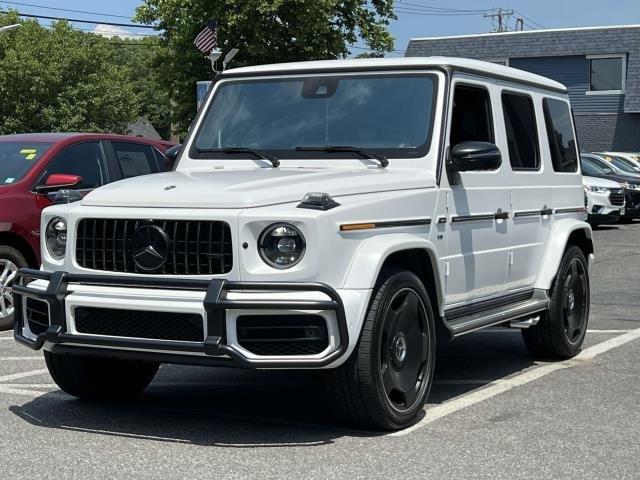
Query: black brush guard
[[215, 305]]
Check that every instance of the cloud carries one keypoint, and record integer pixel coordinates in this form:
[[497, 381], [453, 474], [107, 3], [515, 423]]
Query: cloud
[[110, 31]]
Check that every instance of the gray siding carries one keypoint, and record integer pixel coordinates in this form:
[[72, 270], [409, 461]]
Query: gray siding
[[546, 43], [573, 72], [602, 132]]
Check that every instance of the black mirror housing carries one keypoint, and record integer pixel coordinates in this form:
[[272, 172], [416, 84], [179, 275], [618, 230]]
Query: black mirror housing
[[170, 156], [475, 156]]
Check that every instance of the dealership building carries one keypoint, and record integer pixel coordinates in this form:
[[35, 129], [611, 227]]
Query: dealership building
[[599, 65]]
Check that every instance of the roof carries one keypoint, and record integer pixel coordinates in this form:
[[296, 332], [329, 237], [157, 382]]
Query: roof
[[399, 63], [545, 30], [54, 137]]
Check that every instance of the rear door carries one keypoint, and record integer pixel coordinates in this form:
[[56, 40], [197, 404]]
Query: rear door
[[132, 159], [530, 192]]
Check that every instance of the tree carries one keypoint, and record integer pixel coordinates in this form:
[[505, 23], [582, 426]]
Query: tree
[[266, 31], [61, 79]]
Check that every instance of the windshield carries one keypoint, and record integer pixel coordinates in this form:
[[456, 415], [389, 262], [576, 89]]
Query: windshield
[[590, 170], [17, 158], [625, 165], [390, 114]]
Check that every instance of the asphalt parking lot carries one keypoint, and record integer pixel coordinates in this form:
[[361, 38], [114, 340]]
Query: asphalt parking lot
[[493, 411]]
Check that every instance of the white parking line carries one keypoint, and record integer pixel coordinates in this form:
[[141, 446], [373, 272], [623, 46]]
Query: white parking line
[[16, 376], [7, 338], [14, 359], [502, 386], [609, 331]]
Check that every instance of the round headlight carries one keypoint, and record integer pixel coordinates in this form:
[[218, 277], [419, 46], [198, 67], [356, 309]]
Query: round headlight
[[281, 245], [56, 238]]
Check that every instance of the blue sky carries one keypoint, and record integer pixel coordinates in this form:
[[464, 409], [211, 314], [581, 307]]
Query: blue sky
[[416, 18]]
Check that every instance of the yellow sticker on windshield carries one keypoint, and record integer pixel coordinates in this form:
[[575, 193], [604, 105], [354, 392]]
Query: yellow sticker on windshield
[[29, 153]]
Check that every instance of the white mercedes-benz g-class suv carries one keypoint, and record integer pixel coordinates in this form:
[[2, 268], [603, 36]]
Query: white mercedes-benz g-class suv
[[326, 215]]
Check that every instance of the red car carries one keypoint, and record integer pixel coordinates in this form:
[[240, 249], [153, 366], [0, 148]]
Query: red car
[[34, 166]]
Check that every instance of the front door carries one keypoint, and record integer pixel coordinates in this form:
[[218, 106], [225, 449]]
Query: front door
[[477, 237]]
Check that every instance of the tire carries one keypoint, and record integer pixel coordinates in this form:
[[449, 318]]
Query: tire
[[395, 352], [562, 328], [94, 378], [10, 258]]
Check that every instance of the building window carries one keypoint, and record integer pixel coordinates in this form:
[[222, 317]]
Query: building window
[[606, 74]]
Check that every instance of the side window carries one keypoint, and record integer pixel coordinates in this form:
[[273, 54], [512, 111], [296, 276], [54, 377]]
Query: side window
[[562, 141], [83, 159], [522, 132], [135, 159], [471, 119]]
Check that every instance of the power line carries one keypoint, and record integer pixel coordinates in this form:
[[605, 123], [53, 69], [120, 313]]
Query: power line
[[434, 14], [66, 10], [422, 6], [92, 22], [529, 20]]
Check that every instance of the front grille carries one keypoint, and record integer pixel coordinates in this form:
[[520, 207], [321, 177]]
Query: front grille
[[139, 324], [616, 197], [195, 247], [282, 334], [37, 313]]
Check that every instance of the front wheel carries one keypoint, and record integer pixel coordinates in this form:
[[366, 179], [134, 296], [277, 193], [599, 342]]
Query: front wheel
[[10, 261], [387, 379], [562, 328], [94, 378]]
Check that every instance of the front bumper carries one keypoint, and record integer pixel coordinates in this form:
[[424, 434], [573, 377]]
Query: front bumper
[[63, 291]]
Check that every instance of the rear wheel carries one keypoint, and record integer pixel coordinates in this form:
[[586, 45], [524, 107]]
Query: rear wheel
[[562, 328], [387, 379], [94, 378], [10, 261]]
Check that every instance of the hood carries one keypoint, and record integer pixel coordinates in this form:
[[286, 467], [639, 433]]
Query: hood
[[617, 177], [254, 187], [599, 182]]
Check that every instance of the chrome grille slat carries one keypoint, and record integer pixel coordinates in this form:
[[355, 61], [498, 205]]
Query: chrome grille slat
[[196, 247]]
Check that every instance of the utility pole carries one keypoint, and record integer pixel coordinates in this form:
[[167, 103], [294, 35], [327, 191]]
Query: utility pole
[[501, 15]]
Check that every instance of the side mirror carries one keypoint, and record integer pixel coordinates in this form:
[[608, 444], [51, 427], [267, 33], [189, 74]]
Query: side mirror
[[475, 156], [58, 181], [170, 156]]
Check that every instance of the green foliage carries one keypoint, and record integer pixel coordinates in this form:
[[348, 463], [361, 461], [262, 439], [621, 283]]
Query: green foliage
[[62, 79], [265, 31]]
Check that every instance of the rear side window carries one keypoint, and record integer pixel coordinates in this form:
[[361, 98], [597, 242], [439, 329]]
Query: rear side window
[[562, 141], [522, 132], [135, 159], [471, 119]]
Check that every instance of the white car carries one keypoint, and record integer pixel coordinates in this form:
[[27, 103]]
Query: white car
[[326, 215], [605, 200]]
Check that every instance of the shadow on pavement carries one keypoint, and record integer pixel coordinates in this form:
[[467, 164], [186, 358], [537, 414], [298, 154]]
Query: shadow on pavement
[[250, 409]]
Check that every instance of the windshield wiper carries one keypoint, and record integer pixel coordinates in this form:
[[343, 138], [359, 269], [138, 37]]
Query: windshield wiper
[[251, 151], [349, 149]]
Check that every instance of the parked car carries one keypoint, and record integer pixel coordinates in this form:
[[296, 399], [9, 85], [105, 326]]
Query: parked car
[[330, 216], [620, 164], [598, 167], [34, 167], [630, 157], [604, 198]]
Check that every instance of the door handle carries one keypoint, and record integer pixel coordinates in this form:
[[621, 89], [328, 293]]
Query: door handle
[[500, 215], [546, 211]]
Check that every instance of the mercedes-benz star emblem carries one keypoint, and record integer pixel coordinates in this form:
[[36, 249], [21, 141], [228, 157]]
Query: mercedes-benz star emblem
[[150, 247]]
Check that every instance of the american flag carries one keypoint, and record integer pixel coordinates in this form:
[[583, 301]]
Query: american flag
[[207, 39]]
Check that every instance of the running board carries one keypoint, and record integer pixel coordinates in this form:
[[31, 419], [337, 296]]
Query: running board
[[519, 314]]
